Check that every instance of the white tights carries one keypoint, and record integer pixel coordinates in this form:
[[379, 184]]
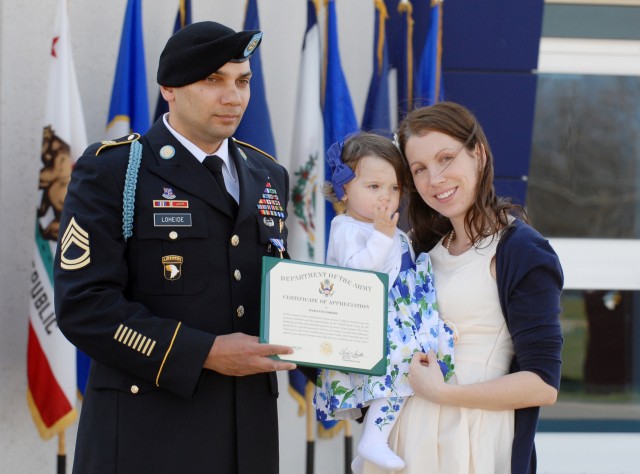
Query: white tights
[[374, 444]]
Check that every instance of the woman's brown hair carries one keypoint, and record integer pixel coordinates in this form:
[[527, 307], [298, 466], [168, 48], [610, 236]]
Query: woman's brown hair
[[488, 214]]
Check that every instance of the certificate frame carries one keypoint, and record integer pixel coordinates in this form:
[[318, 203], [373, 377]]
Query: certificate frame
[[333, 317]]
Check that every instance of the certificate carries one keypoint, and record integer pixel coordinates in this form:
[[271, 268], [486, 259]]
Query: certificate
[[333, 317]]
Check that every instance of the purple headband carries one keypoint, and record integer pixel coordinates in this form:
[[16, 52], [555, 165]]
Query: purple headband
[[341, 174]]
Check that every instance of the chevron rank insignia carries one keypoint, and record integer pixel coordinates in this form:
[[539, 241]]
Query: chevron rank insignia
[[75, 250]]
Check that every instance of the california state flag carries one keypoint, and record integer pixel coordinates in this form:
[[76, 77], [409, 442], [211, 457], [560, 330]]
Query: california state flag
[[51, 359]]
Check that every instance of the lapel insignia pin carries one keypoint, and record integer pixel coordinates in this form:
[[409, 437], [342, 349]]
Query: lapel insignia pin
[[167, 152]]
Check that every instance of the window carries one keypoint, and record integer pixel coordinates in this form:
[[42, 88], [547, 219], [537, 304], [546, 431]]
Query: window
[[584, 194]]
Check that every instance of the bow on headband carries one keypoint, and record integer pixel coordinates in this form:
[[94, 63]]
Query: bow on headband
[[341, 174]]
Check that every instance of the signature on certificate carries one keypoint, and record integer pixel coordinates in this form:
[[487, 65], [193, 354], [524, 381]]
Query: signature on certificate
[[347, 354]]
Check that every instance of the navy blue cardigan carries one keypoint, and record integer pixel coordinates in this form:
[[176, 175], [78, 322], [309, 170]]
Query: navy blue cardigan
[[530, 279]]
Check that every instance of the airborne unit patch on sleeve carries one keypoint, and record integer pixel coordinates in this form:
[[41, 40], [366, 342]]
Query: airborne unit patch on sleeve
[[75, 250]]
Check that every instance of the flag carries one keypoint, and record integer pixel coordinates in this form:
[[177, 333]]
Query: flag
[[306, 208], [307, 239], [406, 39], [183, 18], [255, 127], [51, 359], [338, 114], [339, 122], [129, 109], [305, 223], [429, 87], [376, 112], [392, 50]]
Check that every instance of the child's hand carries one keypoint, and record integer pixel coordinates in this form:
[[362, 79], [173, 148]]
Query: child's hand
[[383, 222]]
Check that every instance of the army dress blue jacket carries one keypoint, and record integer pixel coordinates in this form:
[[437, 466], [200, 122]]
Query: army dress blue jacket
[[148, 309]]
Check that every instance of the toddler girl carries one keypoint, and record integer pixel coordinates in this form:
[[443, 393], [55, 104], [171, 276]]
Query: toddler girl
[[368, 176]]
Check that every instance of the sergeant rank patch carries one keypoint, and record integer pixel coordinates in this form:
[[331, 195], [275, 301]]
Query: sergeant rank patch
[[75, 250]]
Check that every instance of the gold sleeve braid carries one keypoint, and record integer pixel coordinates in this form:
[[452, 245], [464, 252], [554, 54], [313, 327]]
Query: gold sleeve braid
[[175, 333]]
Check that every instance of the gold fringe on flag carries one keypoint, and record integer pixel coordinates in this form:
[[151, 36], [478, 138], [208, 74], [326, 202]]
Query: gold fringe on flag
[[48, 432], [297, 396], [325, 433]]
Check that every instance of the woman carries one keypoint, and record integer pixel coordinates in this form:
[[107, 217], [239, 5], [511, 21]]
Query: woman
[[499, 282]]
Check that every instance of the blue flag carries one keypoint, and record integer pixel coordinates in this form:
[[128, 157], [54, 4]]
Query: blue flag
[[405, 40], [129, 110], [183, 18], [338, 114], [429, 87], [376, 112], [255, 127]]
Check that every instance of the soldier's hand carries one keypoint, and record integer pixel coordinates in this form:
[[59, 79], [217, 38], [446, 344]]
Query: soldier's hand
[[239, 354]]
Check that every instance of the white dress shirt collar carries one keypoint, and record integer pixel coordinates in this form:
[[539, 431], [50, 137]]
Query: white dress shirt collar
[[222, 151]]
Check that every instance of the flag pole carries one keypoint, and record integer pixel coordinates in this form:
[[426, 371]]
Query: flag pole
[[438, 4], [348, 446], [62, 457], [406, 7], [310, 428]]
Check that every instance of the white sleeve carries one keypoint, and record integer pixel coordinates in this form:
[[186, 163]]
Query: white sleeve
[[354, 247]]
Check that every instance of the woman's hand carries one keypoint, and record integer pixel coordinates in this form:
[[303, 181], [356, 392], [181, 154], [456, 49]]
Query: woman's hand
[[425, 377], [518, 390]]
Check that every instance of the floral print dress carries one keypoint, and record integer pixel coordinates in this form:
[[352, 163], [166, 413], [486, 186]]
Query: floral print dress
[[413, 324]]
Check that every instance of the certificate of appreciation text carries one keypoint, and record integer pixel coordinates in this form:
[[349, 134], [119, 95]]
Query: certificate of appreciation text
[[333, 317]]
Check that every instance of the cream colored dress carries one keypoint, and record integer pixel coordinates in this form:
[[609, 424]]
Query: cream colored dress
[[444, 439]]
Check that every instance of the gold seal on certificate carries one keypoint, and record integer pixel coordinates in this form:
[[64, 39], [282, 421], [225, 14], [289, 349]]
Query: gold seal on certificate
[[333, 317]]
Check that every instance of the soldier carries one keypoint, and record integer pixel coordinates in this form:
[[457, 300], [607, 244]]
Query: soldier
[[157, 276]]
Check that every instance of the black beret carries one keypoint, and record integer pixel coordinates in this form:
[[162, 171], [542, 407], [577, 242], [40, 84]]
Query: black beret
[[202, 48]]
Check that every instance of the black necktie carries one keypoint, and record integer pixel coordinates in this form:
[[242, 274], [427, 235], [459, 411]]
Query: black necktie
[[214, 164]]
